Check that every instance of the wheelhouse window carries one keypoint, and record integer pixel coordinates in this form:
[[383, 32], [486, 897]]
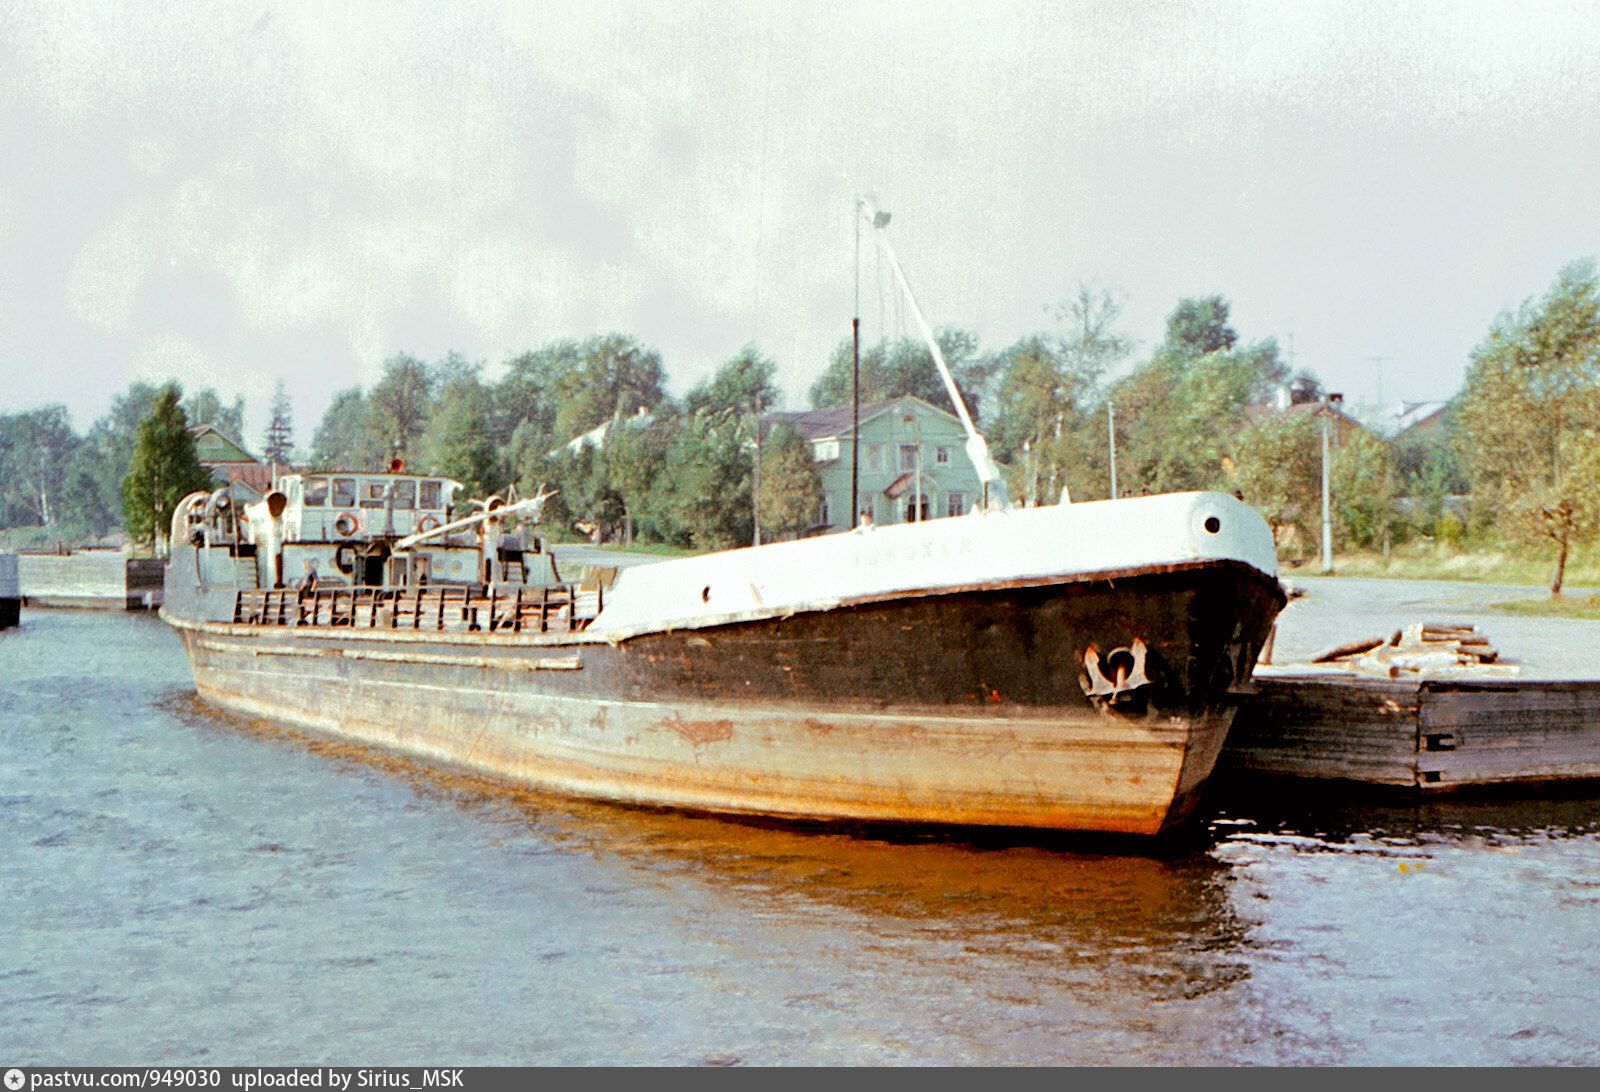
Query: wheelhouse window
[[405, 495], [316, 493], [344, 492], [428, 495], [372, 494]]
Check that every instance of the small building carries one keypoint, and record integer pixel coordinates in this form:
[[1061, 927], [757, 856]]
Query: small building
[[230, 464], [1343, 425], [914, 461], [1421, 422]]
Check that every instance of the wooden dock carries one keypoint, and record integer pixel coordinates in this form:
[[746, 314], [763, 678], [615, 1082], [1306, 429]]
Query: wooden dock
[[1429, 735]]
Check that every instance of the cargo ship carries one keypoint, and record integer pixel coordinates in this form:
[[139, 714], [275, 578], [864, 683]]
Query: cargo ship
[[1068, 667]]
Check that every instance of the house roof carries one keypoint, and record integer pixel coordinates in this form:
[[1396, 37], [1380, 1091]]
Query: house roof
[[596, 437], [1258, 413], [213, 447], [1419, 415], [834, 421]]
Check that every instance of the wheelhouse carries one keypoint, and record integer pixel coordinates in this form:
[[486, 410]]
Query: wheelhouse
[[340, 507]]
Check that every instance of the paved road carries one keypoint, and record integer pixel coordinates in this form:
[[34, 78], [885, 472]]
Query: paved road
[[1335, 610], [574, 555]]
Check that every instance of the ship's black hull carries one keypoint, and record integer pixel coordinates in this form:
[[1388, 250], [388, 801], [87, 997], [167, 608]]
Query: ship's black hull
[[976, 706]]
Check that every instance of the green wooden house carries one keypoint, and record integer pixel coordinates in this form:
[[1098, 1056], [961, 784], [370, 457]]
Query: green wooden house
[[914, 461], [230, 464]]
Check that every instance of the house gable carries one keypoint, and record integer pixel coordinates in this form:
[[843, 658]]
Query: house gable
[[213, 448]]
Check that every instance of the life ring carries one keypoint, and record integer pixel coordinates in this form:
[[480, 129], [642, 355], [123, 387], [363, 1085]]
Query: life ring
[[426, 524], [345, 526]]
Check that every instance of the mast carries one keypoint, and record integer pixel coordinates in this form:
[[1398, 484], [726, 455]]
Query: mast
[[855, 383], [994, 488]]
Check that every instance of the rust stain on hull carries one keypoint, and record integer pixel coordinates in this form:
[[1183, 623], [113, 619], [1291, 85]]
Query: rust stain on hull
[[700, 732]]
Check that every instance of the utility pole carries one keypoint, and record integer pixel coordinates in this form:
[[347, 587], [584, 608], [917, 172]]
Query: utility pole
[[1377, 364], [755, 469], [1111, 434], [1325, 411]]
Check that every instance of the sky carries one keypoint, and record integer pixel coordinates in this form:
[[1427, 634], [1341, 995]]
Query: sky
[[231, 194]]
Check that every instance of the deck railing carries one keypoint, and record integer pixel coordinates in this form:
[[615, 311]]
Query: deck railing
[[510, 609]]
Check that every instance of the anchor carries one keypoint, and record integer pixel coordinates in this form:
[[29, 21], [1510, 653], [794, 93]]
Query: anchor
[[1127, 668]]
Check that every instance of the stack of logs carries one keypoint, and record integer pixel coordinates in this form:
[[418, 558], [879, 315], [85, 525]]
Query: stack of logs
[[1422, 649]]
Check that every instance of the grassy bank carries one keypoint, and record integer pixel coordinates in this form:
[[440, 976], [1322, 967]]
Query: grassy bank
[[1481, 565]]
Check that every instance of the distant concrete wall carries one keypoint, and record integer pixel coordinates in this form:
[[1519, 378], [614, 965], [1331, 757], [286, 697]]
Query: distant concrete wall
[[95, 579]]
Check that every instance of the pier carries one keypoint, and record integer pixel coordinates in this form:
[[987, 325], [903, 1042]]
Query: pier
[[91, 579]]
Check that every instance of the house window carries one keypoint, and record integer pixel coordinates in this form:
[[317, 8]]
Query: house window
[[941, 455], [916, 508], [874, 456], [956, 504], [822, 511], [908, 456]]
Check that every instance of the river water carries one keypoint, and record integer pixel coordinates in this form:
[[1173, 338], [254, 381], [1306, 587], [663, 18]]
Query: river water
[[178, 885]]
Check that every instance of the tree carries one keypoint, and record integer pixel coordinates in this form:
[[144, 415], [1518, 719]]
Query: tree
[[1178, 413], [397, 411], [630, 468], [530, 391], [1277, 465], [110, 441], [614, 376], [741, 386], [164, 469], [703, 490], [1362, 486], [890, 369], [1200, 326], [277, 443], [1529, 414], [36, 449], [205, 408], [1050, 423], [340, 442], [735, 398], [790, 488], [459, 440]]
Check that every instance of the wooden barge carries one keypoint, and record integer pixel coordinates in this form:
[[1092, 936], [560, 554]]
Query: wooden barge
[[1427, 735]]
